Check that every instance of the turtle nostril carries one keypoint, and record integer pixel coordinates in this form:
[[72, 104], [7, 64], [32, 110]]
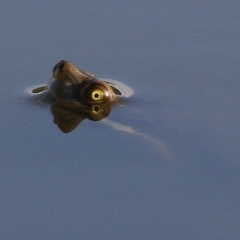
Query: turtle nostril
[[59, 65]]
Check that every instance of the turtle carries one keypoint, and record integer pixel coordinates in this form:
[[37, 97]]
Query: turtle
[[74, 95]]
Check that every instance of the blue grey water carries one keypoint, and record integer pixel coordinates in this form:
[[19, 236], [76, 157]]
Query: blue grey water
[[165, 165]]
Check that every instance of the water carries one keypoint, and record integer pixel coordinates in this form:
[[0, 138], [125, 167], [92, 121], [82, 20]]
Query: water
[[163, 166]]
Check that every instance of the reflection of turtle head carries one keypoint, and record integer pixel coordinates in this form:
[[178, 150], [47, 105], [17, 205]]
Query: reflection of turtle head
[[70, 84], [68, 119]]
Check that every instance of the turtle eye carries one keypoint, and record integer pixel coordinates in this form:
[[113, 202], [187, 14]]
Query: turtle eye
[[95, 93]]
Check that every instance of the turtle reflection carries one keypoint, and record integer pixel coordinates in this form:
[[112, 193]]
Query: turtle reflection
[[68, 118], [75, 95]]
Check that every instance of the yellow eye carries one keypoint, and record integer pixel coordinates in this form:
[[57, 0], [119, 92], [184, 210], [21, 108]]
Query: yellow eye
[[97, 95], [94, 92]]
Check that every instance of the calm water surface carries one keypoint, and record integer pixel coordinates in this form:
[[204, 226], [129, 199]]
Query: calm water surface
[[165, 165]]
